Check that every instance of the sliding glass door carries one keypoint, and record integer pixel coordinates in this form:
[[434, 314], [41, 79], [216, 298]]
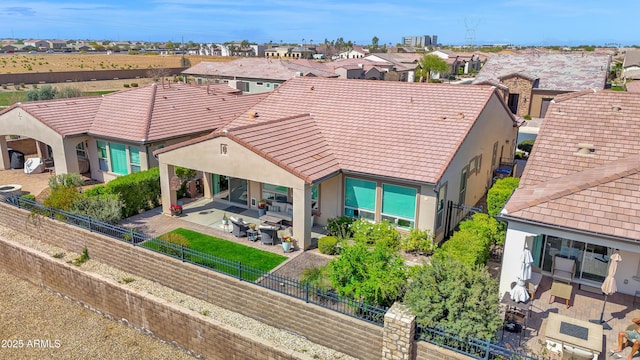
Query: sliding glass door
[[230, 189], [591, 260]]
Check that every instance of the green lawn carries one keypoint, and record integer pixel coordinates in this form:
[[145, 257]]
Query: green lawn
[[225, 249]]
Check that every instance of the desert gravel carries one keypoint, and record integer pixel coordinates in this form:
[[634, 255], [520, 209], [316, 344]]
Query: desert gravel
[[31, 312]]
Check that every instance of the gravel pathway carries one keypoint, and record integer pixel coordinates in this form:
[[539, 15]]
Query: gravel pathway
[[21, 312]]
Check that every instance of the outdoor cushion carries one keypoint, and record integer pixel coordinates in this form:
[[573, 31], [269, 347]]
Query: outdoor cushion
[[563, 269], [570, 352]]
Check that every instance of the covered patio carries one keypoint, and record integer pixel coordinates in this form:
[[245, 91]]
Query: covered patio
[[585, 304]]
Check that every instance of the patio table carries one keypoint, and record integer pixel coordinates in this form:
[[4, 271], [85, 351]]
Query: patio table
[[561, 330], [271, 220], [561, 290]]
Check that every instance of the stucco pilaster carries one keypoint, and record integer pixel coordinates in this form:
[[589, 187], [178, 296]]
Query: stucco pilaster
[[207, 185], [168, 196], [4, 153], [302, 216]]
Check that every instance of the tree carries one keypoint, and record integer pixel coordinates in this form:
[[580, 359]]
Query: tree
[[169, 45], [526, 145], [373, 274], [431, 63], [459, 299]]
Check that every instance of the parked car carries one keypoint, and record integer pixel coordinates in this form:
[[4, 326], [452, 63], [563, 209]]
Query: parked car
[[33, 52], [49, 51]]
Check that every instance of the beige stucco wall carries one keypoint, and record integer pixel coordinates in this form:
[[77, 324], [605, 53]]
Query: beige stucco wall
[[19, 122], [494, 124], [331, 195], [243, 163], [536, 100], [426, 208]]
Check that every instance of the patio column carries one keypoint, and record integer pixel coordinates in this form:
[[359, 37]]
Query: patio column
[[168, 196], [207, 185], [302, 216], [4, 154]]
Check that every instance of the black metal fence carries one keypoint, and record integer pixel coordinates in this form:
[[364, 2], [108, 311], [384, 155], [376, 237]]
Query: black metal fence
[[475, 348], [291, 287]]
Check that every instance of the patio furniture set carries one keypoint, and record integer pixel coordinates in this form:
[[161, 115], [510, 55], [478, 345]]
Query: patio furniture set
[[569, 337], [267, 232]]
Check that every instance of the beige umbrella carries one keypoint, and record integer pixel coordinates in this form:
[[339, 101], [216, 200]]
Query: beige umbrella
[[609, 286]]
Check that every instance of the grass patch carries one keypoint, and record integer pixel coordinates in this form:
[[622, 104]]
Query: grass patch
[[9, 98], [97, 93], [228, 250]]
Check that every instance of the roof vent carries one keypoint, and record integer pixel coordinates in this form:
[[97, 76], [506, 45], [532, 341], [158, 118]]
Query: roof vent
[[253, 115], [585, 150], [616, 108]]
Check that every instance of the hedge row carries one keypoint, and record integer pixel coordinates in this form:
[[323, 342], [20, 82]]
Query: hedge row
[[500, 193]]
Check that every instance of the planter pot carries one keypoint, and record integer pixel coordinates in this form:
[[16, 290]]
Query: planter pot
[[262, 212], [176, 212], [225, 222], [286, 246]]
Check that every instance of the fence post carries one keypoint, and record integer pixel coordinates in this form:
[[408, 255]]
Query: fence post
[[133, 241], [182, 252], [240, 270], [486, 354], [51, 212], [306, 292]]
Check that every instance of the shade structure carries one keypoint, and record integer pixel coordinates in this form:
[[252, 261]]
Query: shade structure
[[519, 292], [525, 264], [609, 287]]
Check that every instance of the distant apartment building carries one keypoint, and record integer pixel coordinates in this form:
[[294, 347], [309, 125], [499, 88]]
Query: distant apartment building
[[420, 41]]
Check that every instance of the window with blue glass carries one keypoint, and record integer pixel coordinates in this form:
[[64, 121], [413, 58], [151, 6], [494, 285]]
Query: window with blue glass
[[399, 205], [103, 159], [118, 155], [360, 199], [134, 159]]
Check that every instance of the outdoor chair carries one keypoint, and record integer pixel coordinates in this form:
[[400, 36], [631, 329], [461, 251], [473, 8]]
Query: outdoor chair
[[574, 353], [563, 269], [268, 233], [239, 227], [534, 282]]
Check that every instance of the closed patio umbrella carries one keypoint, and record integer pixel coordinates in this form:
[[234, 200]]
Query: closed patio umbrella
[[519, 293], [609, 286]]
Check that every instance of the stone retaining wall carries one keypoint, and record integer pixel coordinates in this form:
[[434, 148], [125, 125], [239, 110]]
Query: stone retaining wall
[[188, 329], [325, 327]]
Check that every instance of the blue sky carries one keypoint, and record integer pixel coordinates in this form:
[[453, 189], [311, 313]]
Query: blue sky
[[530, 22]]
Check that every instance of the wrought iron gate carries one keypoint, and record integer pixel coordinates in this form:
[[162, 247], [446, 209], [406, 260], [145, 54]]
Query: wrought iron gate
[[455, 214]]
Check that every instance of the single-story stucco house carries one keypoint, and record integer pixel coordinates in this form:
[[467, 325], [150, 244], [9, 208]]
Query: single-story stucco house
[[374, 150], [579, 195], [115, 134]]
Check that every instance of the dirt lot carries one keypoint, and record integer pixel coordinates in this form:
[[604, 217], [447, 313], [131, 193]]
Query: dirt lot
[[73, 332], [32, 63]]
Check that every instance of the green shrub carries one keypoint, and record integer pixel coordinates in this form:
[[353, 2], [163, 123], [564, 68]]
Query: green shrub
[[315, 276], [134, 84], [417, 240], [373, 274], [65, 180], [527, 117], [126, 85], [465, 247], [499, 193], [28, 197], [373, 233], [97, 190], [485, 227], [62, 198], [459, 299], [138, 191], [176, 239], [327, 245], [340, 227], [107, 208], [526, 145]]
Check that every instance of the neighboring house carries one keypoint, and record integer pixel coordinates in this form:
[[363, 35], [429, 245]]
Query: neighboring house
[[376, 150], [533, 80], [38, 44], [631, 65], [8, 48], [252, 75], [351, 68], [288, 52], [403, 64], [462, 63], [579, 195], [115, 134], [57, 44], [355, 53]]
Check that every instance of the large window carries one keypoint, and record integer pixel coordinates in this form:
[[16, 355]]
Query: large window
[[118, 158], [591, 260], [134, 159], [103, 159], [360, 199], [118, 155], [80, 150], [399, 205], [442, 198], [274, 192]]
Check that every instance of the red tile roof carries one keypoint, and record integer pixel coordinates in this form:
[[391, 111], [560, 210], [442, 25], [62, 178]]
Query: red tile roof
[[394, 129], [145, 114], [567, 184], [67, 117]]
